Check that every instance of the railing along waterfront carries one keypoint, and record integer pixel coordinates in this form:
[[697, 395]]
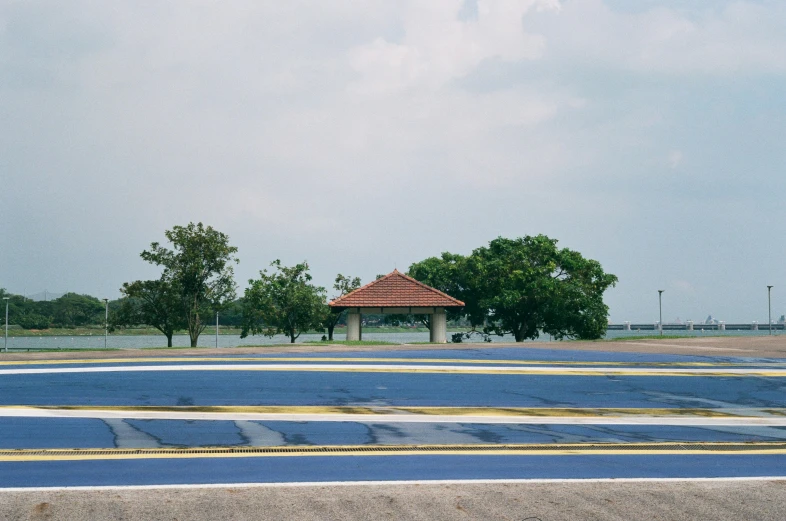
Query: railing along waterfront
[[692, 326]]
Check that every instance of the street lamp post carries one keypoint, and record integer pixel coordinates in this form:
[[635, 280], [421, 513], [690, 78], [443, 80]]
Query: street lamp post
[[5, 345], [106, 320], [660, 311], [769, 308], [216, 329]]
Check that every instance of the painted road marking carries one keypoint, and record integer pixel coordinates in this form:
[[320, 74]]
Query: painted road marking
[[88, 361], [394, 414], [427, 369], [410, 482], [681, 346], [554, 449]]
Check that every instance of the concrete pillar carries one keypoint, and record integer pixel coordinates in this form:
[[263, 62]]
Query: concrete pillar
[[626, 326], [721, 326], [658, 326], [353, 326], [689, 325], [755, 326], [439, 327]]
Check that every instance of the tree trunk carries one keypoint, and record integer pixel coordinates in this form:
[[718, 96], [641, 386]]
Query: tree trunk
[[330, 332], [169, 340], [518, 333], [194, 328]]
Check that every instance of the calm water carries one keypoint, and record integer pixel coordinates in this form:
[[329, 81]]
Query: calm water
[[142, 341]]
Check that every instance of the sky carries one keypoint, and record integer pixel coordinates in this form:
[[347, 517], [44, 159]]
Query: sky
[[365, 135]]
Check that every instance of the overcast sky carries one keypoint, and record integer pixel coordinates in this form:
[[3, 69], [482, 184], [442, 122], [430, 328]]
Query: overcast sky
[[363, 136]]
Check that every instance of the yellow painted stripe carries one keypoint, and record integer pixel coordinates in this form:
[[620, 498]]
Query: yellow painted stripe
[[566, 412], [693, 448], [393, 360]]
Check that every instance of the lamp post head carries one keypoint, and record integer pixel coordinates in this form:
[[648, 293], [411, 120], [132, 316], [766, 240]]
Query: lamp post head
[[770, 287], [661, 291]]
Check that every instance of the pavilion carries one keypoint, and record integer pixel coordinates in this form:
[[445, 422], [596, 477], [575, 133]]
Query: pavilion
[[395, 293]]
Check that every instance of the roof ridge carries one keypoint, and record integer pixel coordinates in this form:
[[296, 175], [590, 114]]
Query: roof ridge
[[362, 287], [395, 272], [435, 290]]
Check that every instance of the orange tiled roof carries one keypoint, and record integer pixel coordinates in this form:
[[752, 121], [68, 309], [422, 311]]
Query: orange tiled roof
[[395, 290]]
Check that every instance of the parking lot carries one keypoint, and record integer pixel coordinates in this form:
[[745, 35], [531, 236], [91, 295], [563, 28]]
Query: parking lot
[[418, 422]]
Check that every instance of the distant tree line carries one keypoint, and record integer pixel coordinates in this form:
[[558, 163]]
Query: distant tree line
[[68, 311], [524, 287]]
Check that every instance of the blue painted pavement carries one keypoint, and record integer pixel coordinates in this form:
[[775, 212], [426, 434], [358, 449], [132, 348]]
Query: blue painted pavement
[[205, 388], [54, 433], [404, 389], [379, 468]]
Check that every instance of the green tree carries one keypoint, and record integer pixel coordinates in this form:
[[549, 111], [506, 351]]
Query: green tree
[[523, 287], [200, 267], [528, 285], [156, 303], [342, 285], [74, 310], [32, 320], [447, 274], [23, 311], [283, 302], [232, 314]]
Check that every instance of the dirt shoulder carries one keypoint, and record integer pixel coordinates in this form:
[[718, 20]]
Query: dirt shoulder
[[665, 501], [732, 346]]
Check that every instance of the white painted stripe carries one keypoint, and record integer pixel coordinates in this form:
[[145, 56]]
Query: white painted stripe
[[392, 367], [533, 481], [30, 412]]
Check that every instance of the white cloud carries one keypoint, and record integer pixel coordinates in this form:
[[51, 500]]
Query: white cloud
[[438, 46], [339, 130]]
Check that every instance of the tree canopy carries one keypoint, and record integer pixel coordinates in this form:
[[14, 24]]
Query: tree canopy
[[283, 302], [157, 303], [199, 267], [524, 287]]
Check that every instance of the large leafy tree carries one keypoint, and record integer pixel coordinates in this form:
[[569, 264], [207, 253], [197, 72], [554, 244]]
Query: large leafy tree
[[342, 285], [523, 287], [157, 303], [283, 302], [447, 274], [200, 267]]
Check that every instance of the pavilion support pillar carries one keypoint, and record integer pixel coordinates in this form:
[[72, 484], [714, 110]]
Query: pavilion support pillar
[[353, 326], [439, 327]]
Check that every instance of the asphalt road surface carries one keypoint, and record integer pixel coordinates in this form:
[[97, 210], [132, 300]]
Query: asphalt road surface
[[546, 431]]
